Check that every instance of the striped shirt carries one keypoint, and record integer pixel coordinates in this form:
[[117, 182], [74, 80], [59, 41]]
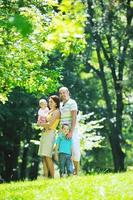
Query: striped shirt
[[65, 109]]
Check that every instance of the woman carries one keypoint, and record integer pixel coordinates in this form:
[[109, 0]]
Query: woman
[[48, 136]]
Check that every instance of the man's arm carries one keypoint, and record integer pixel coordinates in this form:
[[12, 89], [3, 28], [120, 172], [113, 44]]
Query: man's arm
[[72, 152], [73, 124]]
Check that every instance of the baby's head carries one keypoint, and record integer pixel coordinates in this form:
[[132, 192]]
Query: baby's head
[[65, 129], [43, 103]]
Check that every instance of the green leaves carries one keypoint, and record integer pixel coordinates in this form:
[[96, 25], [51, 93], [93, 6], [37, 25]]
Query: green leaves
[[31, 35], [90, 138], [21, 23], [66, 30]]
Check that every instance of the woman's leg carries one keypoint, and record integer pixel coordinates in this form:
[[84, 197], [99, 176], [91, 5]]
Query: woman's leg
[[45, 168], [50, 165]]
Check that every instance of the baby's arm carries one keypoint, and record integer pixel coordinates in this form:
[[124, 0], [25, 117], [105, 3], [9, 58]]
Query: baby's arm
[[56, 115], [38, 120]]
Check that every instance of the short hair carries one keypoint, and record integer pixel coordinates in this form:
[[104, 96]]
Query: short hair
[[56, 99], [42, 101], [64, 88]]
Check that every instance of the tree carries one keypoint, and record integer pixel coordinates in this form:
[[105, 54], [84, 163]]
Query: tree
[[30, 32], [108, 33], [36, 36], [16, 118]]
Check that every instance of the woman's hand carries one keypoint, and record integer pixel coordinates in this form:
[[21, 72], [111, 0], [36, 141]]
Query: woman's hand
[[44, 125], [56, 157]]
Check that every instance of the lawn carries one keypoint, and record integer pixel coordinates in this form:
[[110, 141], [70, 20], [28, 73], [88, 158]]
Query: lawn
[[90, 187]]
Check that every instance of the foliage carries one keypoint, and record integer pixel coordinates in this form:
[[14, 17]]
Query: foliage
[[104, 186], [108, 34], [42, 46], [89, 131], [30, 31], [100, 78], [86, 89], [16, 118]]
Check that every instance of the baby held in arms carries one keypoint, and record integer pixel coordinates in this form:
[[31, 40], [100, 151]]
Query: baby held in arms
[[42, 112]]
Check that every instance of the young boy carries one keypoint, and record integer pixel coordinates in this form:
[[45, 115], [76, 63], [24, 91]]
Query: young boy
[[63, 151], [42, 112]]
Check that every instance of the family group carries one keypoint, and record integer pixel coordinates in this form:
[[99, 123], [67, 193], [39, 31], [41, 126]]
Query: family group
[[58, 119]]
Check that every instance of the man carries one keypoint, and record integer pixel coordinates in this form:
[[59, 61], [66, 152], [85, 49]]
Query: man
[[69, 110]]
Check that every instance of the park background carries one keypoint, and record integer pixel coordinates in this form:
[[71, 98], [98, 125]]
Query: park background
[[84, 45]]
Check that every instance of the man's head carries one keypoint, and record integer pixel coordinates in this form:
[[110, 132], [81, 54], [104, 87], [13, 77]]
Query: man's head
[[64, 94]]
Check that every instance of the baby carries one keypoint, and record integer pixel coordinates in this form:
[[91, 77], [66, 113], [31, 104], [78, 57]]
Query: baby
[[42, 112]]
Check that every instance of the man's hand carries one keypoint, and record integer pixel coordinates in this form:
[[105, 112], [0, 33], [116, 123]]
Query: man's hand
[[71, 157], [69, 135]]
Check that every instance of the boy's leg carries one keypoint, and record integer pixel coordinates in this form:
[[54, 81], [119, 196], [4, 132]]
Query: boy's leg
[[62, 160], [69, 165]]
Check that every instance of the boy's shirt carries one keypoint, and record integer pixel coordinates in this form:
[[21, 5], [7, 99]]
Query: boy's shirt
[[65, 145]]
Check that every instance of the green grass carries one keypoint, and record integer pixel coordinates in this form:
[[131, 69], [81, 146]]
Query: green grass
[[91, 187]]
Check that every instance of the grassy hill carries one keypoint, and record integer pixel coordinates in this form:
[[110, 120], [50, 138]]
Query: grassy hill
[[90, 187]]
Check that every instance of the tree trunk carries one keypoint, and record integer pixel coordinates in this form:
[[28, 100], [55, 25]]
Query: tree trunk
[[116, 64], [11, 164], [118, 155], [24, 163], [115, 131], [33, 171]]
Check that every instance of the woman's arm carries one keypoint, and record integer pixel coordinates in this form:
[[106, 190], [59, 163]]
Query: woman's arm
[[56, 115], [56, 153]]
